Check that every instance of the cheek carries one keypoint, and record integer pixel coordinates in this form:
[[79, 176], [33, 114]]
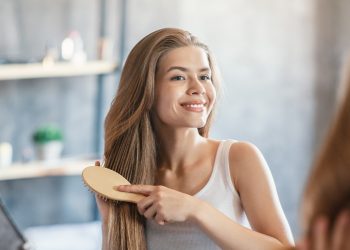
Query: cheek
[[211, 92], [165, 105]]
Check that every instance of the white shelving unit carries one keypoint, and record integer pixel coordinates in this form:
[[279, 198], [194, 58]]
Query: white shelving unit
[[58, 69], [100, 68], [36, 169], [38, 70]]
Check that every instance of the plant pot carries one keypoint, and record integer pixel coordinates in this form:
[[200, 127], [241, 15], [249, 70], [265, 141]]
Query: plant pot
[[49, 151]]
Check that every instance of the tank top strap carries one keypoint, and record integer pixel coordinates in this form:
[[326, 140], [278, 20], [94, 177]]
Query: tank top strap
[[225, 163]]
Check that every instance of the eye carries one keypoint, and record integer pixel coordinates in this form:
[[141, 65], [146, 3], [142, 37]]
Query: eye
[[205, 78], [177, 78]]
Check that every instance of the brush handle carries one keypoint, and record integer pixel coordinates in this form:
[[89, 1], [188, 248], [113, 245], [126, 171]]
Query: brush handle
[[131, 197]]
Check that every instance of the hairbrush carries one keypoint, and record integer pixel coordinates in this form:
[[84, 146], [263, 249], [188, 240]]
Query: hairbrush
[[102, 181]]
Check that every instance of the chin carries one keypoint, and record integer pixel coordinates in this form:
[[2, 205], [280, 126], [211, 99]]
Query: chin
[[199, 124]]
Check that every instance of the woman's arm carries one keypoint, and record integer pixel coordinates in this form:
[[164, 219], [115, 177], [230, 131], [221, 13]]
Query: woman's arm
[[231, 235], [254, 183]]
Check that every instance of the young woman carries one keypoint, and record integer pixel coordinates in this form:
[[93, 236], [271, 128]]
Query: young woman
[[197, 189]]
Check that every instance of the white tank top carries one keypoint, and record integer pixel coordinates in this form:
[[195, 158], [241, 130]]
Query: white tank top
[[219, 192]]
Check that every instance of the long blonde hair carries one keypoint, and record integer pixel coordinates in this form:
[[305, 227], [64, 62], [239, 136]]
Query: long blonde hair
[[328, 188], [130, 142]]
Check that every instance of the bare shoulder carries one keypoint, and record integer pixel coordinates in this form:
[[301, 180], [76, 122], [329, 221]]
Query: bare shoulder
[[243, 151], [246, 161]]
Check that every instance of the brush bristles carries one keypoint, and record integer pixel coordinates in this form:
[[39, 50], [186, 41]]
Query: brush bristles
[[101, 196]]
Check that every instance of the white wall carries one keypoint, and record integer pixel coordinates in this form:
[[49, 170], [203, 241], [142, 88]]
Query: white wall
[[277, 93]]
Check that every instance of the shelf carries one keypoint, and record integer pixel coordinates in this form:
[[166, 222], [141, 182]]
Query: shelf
[[42, 169], [58, 69]]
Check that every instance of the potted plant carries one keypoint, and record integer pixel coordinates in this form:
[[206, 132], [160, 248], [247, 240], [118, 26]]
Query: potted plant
[[48, 142]]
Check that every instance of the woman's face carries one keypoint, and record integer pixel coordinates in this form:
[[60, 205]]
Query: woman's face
[[184, 92]]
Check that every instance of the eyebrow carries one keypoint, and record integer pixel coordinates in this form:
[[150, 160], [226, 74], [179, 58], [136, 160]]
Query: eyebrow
[[185, 69]]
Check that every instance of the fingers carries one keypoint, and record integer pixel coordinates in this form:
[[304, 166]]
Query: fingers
[[302, 244], [150, 209], [139, 189], [149, 206], [324, 239], [144, 204], [320, 233], [339, 235], [159, 219], [150, 212]]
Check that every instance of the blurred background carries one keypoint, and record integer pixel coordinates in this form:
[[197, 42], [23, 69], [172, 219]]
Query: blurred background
[[59, 66]]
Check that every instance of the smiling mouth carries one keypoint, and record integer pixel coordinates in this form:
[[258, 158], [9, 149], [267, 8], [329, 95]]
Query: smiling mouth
[[194, 107]]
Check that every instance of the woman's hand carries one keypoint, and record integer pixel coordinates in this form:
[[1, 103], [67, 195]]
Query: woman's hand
[[324, 239], [101, 204], [163, 204]]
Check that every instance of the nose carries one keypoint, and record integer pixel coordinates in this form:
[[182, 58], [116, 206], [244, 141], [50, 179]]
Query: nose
[[196, 88]]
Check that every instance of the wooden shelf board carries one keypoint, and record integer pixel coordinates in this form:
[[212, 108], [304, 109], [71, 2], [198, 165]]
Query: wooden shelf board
[[58, 69]]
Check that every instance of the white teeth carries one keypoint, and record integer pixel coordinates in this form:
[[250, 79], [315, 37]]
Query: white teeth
[[195, 105]]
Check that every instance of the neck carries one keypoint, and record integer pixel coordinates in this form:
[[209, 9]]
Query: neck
[[178, 147]]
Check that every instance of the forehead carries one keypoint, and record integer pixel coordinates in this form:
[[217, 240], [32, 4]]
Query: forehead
[[190, 57]]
